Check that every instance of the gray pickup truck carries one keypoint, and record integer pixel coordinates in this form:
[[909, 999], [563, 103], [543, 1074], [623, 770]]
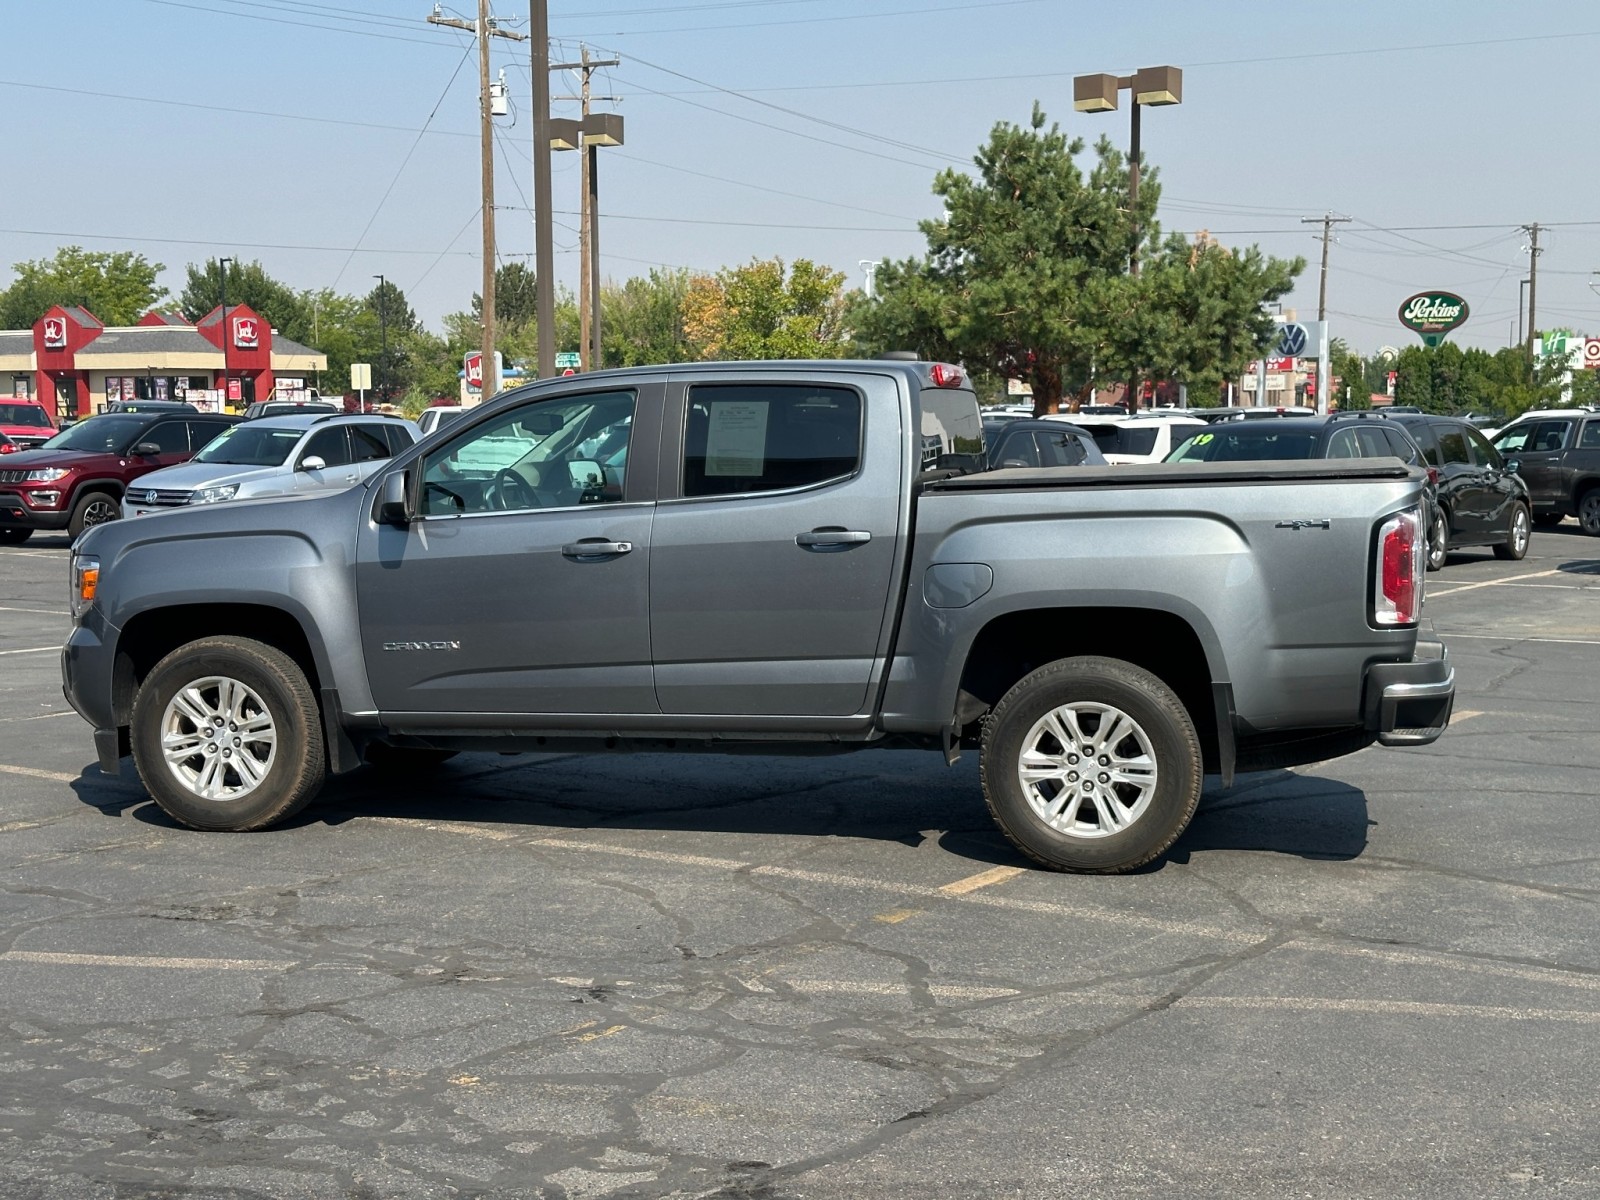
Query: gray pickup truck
[[767, 558]]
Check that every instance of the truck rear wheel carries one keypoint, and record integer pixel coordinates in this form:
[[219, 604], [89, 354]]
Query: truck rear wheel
[[226, 735], [1091, 765]]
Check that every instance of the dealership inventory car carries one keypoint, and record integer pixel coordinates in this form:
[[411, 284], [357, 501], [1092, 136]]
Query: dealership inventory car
[[275, 456], [25, 422], [289, 408], [77, 478], [1557, 452], [1481, 501], [1042, 442], [1143, 439]]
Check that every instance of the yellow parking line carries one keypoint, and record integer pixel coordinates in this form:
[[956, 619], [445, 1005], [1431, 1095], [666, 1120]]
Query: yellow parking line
[[981, 880], [895, 915]]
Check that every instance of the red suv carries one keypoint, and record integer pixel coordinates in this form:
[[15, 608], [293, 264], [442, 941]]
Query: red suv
[[77, 478], [26, 423]]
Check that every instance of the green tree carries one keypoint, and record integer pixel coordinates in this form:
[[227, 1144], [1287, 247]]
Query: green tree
[[118, 286], [248, 283], [641, 321], [1026, 276], [516, 295], [764, 310], [1351, 373]]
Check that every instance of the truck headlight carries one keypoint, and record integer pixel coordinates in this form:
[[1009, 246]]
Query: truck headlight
[[210, 495], [85, 582]]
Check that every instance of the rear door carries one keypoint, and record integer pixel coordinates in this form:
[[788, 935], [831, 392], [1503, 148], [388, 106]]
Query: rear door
[[1462, 490], [772, 559]]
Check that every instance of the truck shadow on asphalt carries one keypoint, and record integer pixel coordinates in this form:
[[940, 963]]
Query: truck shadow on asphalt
[[1270, 812]]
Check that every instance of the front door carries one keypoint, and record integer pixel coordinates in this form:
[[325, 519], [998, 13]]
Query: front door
[[1538, 448], [523, 584], [771, 567]]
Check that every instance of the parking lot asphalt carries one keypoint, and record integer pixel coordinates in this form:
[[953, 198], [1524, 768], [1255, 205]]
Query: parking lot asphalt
[[648, 976]]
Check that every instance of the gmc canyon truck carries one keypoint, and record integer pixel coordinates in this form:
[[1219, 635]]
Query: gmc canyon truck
[[767, 558]]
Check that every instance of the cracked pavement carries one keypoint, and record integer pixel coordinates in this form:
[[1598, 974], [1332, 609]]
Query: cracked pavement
[[650, 976]]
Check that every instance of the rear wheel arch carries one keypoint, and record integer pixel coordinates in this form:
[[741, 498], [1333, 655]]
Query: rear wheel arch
[[1014, 644]]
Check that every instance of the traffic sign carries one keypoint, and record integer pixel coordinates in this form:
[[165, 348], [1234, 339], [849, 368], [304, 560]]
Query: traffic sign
[[566, 359]]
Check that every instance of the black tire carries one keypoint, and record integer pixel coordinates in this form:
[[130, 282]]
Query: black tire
[[1589, 512], [1438, 539], [92, 508], [14, 537], [1518, 528], [1548, 520], [1158, 819], [402, 760], [296, 766]]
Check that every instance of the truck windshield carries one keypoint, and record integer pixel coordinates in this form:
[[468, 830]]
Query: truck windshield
[[107, 434], [1246, 442], [252, 445], [23, 414]]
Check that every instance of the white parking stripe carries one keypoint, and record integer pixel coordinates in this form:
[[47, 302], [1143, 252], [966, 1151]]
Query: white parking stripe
[[34, 650], [1403, 1008], [1453, 589], [43, 612], [1513, 637], [53, 958], [35, 773]]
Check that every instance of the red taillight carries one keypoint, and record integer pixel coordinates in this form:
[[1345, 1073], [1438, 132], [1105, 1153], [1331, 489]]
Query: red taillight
[[8, 448], [944, 375], [1397, 590]]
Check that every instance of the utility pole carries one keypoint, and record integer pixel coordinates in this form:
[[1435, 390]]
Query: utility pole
[[483, 29], [1533, 283], [544, 244], [588, 230], [383, 343], [1327, 221]]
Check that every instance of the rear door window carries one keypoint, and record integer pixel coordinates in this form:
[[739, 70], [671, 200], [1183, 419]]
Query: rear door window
[[1373, 443], [1058, 449], [1401, 446], [1453, 447], [1422, 432], [368, 442], [1343, 444], [745, 438]]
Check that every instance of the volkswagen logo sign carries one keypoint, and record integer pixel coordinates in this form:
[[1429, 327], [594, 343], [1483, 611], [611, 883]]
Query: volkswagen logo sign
[[1292, 341], [150, 496]]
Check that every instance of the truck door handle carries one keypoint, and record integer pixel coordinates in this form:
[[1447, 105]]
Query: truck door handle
[[595, 548], [832, 537]]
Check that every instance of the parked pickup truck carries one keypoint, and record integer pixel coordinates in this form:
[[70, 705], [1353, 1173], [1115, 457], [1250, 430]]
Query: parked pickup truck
[[767, 558]]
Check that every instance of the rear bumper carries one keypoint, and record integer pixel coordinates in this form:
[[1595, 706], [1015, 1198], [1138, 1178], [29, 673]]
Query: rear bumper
[[1409, 703]]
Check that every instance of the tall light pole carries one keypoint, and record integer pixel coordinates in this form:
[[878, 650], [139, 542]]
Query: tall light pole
[[383, 342], [596, 130], [544, 246], [1153, 86], [222, 268]]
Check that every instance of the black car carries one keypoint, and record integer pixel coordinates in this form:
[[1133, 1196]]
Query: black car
[[1450, 500], [1481, 501], [1042, 442], [150, 406], [1557, 453], [289, 408]]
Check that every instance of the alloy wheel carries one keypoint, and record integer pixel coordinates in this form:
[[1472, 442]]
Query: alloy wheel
[[1087, 770], [218, 738]]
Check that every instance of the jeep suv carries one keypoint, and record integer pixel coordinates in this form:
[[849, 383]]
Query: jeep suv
[[275, 456], [1557, 453], [77, 478], [26, 423]]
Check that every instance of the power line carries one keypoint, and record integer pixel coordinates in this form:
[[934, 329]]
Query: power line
[[465, 225], [139, 239], [567, 212], [403, 162], [219, 12], [629, 156], [864, 16]]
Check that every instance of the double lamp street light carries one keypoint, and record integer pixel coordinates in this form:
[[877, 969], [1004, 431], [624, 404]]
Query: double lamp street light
[[588, 134], [1153, 86]]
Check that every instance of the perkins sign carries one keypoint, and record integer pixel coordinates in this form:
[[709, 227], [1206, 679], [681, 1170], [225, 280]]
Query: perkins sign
[[1433, 314]]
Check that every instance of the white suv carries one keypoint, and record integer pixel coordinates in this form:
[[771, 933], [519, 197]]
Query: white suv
[[274, 456], [1138, 439]]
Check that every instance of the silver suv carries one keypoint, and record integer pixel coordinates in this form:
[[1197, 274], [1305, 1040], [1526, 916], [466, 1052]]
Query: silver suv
[[274, 456]]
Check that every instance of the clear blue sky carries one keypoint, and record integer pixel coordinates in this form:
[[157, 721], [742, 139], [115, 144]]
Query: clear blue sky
[[1409, 118]]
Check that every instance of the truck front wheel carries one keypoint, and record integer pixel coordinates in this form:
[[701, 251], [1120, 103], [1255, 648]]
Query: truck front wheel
[[1091, 765], [226, 735]]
